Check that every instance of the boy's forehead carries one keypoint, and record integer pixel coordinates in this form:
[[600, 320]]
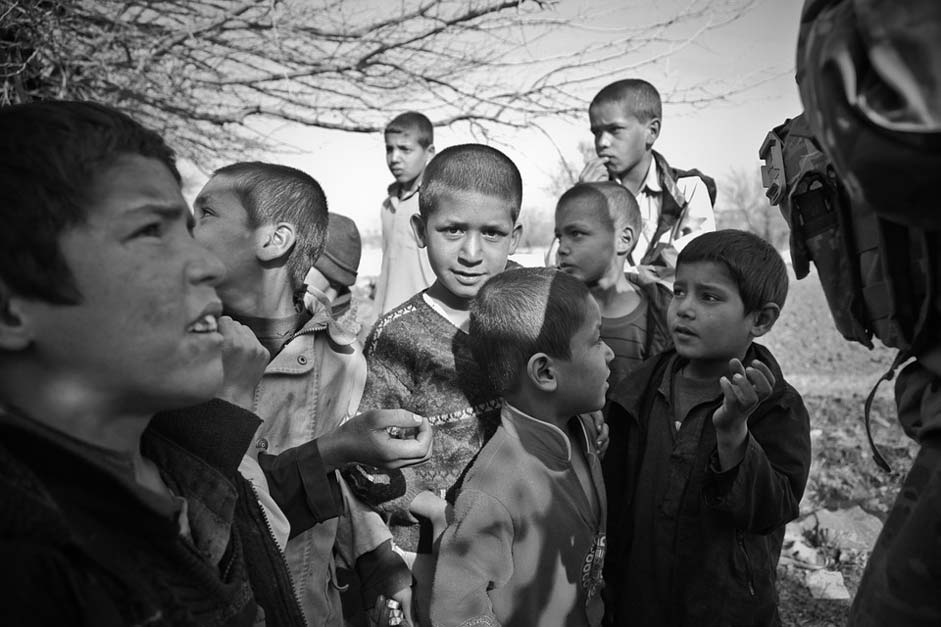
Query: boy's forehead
[[584, 206], [608, 111], [131, 184], [706, 272], [404, 136], [468, 205]]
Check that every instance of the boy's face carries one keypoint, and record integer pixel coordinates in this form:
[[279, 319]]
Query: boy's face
[[706, 316], [621, 140], [222, 226], [587, 240], [469, 237], [583, 378], [405, 157], [144, 336]]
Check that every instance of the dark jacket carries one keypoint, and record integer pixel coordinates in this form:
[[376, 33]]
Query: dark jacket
[[658, 300], [729, 525], [80, 548]]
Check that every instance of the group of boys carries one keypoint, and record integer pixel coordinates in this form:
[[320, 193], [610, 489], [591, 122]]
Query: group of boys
[[567, 404]]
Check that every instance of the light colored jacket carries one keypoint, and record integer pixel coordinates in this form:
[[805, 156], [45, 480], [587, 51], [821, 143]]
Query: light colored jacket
[[311, 387], [526, 545]]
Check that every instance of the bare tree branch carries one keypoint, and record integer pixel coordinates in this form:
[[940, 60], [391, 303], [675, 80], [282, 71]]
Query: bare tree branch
[[203, 71]]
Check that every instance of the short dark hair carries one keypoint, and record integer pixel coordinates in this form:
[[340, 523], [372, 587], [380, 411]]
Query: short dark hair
[[621, 206], [413, 122], [640, 97], [471, 168], [52, 153], [754, 265], [521, 312], [277, 193]]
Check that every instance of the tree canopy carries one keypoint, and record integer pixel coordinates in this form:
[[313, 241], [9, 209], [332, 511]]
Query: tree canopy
[[205, 72]]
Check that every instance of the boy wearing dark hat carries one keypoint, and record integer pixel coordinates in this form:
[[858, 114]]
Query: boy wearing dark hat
[[334, 272]]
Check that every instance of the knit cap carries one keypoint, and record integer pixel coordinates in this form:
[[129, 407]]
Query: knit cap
[[339, 261]]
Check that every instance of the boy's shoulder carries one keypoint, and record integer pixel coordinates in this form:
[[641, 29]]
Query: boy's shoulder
[[407, 320], [658, 295]]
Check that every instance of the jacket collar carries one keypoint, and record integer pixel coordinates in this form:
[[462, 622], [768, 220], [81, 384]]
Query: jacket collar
[[546, 441], [629, 396]]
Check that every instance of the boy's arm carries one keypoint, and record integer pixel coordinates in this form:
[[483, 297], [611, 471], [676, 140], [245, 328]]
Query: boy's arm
[[391, 492], [475, 555], [757, 477], [364, 542]]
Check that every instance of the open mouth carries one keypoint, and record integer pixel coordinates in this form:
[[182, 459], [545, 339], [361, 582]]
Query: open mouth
[[684, 332], [204, 324]]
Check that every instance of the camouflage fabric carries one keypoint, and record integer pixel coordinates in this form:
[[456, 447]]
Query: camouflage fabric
[[869, 74]]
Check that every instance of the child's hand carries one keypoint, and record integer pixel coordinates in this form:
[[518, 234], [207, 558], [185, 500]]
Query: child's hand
[[428, 505], [593, 171], [742, 391], [601, 433], [243, 362]]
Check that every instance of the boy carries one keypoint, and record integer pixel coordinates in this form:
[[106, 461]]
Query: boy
[[334, 272], [595, 224], [675, 206], [405, 270], [110, 315], [716, 451], [267, 223], [526, 545], [419, 354]]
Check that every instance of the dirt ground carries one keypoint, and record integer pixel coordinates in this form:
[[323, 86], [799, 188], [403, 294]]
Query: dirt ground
[[835, 376]]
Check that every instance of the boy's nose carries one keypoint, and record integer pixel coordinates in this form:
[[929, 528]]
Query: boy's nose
[[204, 266], [471, 248]]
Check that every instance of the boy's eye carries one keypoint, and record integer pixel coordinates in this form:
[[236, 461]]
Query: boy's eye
[[709, 297], [492, 234], [205, 212], [154, 229]]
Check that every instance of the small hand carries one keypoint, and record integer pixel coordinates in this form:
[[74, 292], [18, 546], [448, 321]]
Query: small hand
[[593, 171], [601, 428], [243, 362], [433, 508], [366, 439], [742, 391]]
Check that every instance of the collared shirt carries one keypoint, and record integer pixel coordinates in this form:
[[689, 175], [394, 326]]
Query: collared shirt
[[405, 269], [699, 217]]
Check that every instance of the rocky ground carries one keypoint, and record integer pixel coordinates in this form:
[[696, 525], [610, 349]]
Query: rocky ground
[[835, 376], [847, 496]]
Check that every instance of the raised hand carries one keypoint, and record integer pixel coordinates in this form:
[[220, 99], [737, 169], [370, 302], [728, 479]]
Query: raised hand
[[742, 390]]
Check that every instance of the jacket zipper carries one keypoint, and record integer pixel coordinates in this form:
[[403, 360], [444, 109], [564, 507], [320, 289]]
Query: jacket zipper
[[287, 570], [740, 536]]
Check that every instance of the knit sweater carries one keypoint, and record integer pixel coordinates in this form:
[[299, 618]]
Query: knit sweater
[[417, 360]]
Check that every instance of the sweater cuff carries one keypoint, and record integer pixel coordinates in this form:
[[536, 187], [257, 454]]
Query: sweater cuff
[[299, 483], [382, 571]]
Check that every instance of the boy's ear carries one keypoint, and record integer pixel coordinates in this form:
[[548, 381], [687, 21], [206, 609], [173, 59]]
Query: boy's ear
[[15, 331], [764, 319], [653, 132], [625, 240], [541, 372], [418, 228], [277, 240], [515, 237], [429, 153]]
